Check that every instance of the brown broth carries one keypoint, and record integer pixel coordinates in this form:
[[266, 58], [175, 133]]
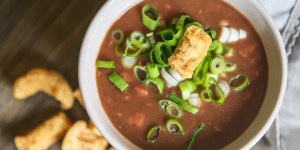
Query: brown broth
[[223, 123]]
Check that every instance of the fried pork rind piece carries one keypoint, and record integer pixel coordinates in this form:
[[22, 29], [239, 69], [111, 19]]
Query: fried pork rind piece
[[80, 137], [48, 81], [77, 95], [93, 128], [191, 49], [44, 135]]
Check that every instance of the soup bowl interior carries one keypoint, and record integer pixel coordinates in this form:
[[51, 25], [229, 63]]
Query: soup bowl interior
[[263, 24]]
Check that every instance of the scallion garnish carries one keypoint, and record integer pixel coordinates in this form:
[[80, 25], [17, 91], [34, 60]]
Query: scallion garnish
[[105, 64], [241, 86], [160, 49], [117, 35], [174, 130], [196, 72], [197, 24], [212, 33], [185, 91], [222, 97], [203, 97], [151, 39], [169, 37], [152, 70], [118, 51], [163, 103], [152, 138], [136, 37], [227, 50], [217, 65], [128, 62], [214, 44], [157, 82], [147, 21], [192, 140], [192, 85], [188, 107], [230, 67], [136, 71], [183, 20], [218, 49], [118, 81], [169, 79], [134, 54], [174, 21], [174, 110], [179, 32]]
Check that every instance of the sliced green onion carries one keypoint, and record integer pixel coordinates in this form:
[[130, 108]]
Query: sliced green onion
[[170, 110], [117, 50], [204, 70], [169, 79], [162, 48], [192, 85], [131, 43], [230, 67], [178, 131], [127, 41], [196, 72], [147, 21], [192, 140], [149, 137], [224, 86], [136, 70], [163, 103], [218, 49], [217, 65], [203, 97], [128, 62], [151, 39], [222, 97], [243, 85], [114, 34], [146, 54], [169, 37], [105, 64], [212, 33], [188, 107], [118, 81], [220, 56], [179, 32], [140, 40], [208, 75], [175, 74], [152, 70], [227, 50], [157, 82], [195, 101], [182, 20], [214, 44], [197, 24], [185, 91], [174, 21]]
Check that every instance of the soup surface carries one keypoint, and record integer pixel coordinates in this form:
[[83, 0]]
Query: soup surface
[[223, 123]]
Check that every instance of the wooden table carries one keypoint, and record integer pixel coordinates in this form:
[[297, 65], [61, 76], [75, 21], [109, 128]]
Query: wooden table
[[39, 33]]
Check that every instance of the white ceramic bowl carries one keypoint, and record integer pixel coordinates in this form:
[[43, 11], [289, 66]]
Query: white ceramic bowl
[[263, 24]]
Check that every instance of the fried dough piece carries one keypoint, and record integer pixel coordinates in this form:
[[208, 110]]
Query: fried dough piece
[[77, 95], [112, 148], [48, 81], [93, 128], [79, 136], [44, 135], [191, 49]]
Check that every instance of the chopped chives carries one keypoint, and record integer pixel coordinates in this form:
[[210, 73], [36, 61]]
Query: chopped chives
[[188, 107], [192, 140], [105, 64], [118, 81]]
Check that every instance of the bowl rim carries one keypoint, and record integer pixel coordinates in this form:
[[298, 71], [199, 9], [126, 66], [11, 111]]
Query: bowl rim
[[266, 125]]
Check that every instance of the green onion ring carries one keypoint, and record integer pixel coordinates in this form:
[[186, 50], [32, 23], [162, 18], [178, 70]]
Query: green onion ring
[[192, 85], [212, 33], [179, 32], [118, 81], [158, 51], [147, 21], [222, 97], [151, 39], [203, 71], [214, 44], [174, 121], [203, 97], [105, 64], [230, 68], [182, 20], [136, 72], [140, 37], [152, 70], [192, 140], [158, 82], [131, 43], [175, 106], [188, 107], [164, 101], [152, 139], [221, 56], [196, 72], [174, 21], [242, 86], [197, 24], [169, 37], [116, 31], [217, 65], [117, 50], [227, 50], [185, 91], [218, 49]]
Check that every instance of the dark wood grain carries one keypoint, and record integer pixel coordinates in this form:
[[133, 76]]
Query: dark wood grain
[[39, 33]]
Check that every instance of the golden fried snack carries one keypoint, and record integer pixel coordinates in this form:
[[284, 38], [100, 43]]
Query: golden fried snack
[[79, 136], [48, 81], [44, 135], [112, 148], [77, 95], [191, 49], [93, 128]]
